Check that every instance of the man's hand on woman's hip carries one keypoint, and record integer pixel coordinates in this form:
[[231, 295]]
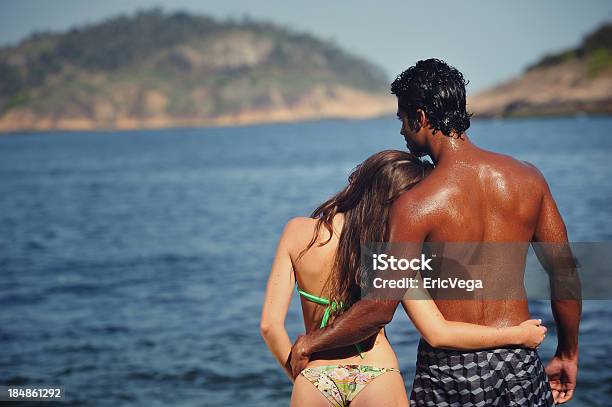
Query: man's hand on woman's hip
[[299, 356]]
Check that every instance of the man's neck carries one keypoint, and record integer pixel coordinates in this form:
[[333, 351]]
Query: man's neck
[[443, 148]]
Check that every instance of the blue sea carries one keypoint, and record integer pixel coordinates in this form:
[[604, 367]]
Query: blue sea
[[133, 264]]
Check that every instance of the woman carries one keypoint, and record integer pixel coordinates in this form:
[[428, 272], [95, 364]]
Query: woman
[[322, 255]]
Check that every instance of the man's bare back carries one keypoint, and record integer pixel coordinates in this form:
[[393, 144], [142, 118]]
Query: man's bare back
[[483, 197]]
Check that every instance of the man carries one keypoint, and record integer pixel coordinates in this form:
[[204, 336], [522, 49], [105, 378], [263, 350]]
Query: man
[[472, 195]]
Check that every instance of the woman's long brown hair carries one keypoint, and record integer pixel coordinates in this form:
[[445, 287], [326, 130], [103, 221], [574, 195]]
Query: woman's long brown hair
[[365, 204]]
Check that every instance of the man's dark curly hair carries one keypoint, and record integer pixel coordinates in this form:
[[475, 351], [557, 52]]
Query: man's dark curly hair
[[438, 90]]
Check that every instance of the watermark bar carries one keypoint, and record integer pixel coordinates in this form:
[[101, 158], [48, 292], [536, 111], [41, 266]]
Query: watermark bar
[[487, 271]]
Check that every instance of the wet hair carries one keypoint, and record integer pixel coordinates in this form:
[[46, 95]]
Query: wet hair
[[439, 91], [365, 203]]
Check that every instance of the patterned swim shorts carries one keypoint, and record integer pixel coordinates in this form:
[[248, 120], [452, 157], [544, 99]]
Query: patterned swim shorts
[[494, 377]]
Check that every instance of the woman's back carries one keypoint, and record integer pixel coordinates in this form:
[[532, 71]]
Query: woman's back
[[314, 266], [312, 269]]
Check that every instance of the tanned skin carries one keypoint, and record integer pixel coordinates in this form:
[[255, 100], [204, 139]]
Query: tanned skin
[[472, 195]]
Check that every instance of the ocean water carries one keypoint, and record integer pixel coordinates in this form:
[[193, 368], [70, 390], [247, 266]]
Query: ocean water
[[133, 264]]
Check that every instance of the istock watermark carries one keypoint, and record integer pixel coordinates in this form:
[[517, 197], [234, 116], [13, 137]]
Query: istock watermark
[[487, 271], [384, 262]]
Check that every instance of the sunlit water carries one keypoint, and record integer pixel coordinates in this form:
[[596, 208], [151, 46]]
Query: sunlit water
[[133, 264]]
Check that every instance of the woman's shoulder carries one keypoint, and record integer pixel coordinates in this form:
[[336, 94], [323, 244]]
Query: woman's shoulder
[[298, 226], [302, 225], [297, 233]]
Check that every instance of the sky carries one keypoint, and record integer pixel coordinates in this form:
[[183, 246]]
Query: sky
[[488, 40]]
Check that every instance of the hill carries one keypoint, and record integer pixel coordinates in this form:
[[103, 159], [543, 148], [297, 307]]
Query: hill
[[573, 81], [155, 69]]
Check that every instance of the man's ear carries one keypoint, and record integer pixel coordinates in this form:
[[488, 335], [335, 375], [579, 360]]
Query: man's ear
[[422, 118]]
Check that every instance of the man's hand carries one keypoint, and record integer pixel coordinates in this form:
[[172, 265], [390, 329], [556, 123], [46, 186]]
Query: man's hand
[[562, 374], [299, 356]]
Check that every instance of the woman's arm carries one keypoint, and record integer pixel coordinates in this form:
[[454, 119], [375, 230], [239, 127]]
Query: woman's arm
[[440, 333], [281, 283]]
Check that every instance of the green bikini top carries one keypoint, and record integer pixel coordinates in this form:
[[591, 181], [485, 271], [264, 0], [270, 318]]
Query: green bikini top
[[331, 306]]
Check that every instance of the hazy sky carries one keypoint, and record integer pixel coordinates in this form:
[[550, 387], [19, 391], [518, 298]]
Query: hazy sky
[[488, 40]]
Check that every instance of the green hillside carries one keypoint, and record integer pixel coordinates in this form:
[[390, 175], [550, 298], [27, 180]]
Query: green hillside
[[595, 50], [156, 67], [577, 80]]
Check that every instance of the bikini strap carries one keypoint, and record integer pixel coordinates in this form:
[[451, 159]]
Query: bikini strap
[[333, 306], [313, 298]]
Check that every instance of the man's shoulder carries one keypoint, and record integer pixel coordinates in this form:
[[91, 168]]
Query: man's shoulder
[[517, 170], [533, 170]]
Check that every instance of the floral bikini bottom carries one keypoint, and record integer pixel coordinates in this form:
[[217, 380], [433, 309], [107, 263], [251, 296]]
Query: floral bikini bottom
[[340, 384]]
